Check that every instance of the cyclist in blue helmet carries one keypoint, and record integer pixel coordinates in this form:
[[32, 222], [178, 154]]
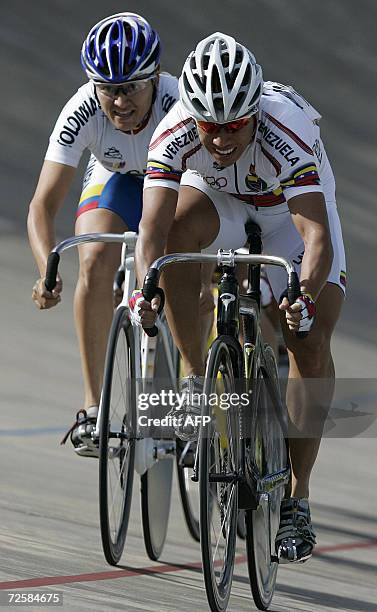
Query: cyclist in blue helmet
[[121, 48], [113, 116]]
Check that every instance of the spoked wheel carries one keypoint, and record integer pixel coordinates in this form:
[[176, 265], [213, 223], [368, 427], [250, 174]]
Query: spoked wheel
[[189, 490], [218, 469], [117, 437], [270, 457], [156, 482]]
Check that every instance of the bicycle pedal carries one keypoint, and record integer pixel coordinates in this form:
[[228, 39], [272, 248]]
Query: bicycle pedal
[[87, 451]]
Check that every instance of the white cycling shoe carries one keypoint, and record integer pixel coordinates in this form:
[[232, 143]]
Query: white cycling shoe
[[82, 433], [295, 539]]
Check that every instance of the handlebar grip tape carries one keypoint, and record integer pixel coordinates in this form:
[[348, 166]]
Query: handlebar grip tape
[[294, 291], [51, 271]]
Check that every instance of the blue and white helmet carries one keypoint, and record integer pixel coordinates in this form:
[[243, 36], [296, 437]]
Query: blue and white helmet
[[221, 80], [122, 47]]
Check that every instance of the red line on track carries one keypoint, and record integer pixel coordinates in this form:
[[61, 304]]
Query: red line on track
[[346, 546], [153, 569]]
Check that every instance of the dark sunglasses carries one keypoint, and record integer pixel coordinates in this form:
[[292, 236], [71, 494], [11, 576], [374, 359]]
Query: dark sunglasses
[[232, 126]]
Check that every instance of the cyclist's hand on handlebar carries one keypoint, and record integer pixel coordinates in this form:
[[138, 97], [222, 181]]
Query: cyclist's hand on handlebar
[[45, 299], [300, 315], [143, 313]]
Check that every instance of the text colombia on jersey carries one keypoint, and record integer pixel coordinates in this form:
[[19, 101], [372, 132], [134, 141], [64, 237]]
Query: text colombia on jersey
[[77, 120]]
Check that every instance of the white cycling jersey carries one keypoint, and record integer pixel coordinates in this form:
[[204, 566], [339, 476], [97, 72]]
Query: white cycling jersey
[[287, 157], [82, 125]]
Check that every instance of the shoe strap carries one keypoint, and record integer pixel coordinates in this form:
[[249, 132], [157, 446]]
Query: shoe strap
[[295, 521], [81, 418]]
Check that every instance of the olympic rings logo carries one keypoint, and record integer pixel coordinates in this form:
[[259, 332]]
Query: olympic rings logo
[[217, 183]]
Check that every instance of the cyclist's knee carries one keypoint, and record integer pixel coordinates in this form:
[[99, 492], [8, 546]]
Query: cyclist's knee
[[97, 265]]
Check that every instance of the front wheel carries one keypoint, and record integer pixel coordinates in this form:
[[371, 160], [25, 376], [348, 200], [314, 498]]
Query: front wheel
[[218, 471], [270, 458], [156, 482], [189, 490], [117, 437]]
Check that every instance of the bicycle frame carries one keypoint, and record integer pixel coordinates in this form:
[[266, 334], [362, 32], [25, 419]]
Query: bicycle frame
[[247, 473], [145, 346], [230, 305]]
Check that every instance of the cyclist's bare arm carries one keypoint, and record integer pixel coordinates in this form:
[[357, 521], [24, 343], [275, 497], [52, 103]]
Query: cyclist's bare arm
[[53, 185], [159, 205], [309, 215]]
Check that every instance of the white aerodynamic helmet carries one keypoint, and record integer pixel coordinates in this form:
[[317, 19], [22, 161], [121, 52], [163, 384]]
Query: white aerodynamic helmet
[[220, 80]]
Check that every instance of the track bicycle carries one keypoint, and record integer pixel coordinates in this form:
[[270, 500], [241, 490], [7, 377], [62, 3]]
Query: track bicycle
[[242, 461], [133, 363]]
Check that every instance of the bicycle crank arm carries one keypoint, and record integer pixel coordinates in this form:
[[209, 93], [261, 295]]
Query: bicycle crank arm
[[220, 477], [272, 481]]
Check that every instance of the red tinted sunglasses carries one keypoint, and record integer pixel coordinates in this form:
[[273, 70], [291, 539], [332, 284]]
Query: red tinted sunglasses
[[233, 126]]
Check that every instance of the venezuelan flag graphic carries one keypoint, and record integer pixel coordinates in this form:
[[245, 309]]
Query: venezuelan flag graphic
[[255, 183]]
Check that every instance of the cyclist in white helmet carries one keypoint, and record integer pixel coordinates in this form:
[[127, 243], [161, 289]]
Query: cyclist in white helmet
[[114, 116], [256, 152]]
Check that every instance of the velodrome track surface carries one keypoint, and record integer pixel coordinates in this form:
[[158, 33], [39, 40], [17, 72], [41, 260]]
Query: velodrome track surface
[[48, 506]]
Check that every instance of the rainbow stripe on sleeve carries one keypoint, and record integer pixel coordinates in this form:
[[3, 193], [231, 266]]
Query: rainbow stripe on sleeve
[[157, 170], [308, 175]]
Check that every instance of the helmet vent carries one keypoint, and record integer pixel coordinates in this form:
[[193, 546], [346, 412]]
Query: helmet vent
[[153, 59], [141, 45], [225, 60], [218, 105], [247, 77], [104, 64], [215, 82], [115, 59], [127, 64], [128, 32], [199, 106], [239, 99], [187, 85], [256, 95]]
